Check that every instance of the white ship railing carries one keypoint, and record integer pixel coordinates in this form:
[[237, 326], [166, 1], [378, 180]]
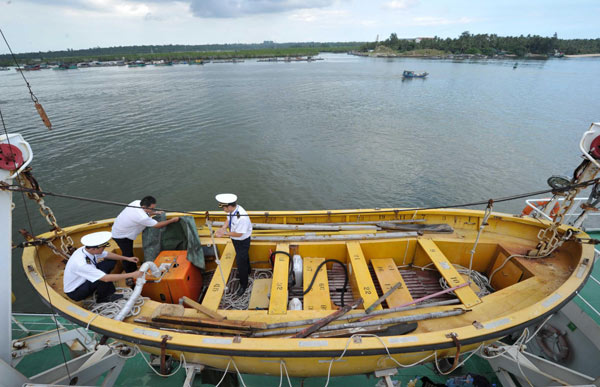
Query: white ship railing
[[597, 283], [573, 212]]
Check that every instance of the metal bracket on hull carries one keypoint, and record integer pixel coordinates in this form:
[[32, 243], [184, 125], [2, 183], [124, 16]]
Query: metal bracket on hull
[[386, 375], [191, 370]]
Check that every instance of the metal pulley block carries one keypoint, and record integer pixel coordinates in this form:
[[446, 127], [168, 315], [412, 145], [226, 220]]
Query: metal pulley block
[[559, 183], [11, 157]]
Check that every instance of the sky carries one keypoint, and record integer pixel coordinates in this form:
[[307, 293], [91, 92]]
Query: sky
[[46, 25]]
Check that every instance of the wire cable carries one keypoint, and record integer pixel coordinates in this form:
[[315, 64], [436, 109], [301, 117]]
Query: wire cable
[[397, 210], [33, 97]]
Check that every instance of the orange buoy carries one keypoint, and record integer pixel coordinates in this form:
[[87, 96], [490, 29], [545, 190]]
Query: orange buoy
[[540, 204]]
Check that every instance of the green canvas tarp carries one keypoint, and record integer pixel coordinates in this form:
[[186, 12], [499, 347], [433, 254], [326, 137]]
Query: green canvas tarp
[[180, 235]]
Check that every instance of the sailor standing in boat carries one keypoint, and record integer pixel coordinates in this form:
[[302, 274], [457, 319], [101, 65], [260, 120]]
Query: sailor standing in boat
[[88, 269], [131, 222], [240, 230]]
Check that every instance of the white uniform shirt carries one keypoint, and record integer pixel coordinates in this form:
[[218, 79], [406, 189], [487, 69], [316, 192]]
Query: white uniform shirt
[[78, 270], [131, 222], [240, 224]]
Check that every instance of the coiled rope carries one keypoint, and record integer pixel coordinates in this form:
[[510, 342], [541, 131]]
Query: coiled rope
[[230, 298], [112, 309]]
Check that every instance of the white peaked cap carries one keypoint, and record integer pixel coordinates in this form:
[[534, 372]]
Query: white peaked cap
[[96, 238], [226, 198]]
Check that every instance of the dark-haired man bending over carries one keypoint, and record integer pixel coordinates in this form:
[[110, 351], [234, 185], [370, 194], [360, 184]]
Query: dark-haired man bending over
[[131, 222]]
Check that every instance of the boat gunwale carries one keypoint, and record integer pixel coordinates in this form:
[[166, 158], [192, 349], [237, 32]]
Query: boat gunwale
[[299, 353], [98, 324]]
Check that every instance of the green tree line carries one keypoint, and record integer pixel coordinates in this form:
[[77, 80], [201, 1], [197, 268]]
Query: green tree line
[[178, 51], [491, 44]]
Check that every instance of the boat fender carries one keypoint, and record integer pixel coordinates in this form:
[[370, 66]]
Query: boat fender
[[295, 304], [539, 204], [553, 343], [297, 268]]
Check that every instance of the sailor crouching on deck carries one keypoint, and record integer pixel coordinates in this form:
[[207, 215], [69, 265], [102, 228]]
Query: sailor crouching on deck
[[240, 230], [88, 269]]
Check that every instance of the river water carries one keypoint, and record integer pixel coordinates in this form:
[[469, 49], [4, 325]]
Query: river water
[[344, 132]]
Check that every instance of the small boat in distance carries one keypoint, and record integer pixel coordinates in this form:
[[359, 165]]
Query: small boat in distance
[[29, 68], [162, 63], [66, 67], [412, 74], [137, 63], [515, 65], [4, 68]]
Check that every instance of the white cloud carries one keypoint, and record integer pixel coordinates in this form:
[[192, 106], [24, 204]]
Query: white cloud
[[237, 8], [319, 15], [132, 10], [200, 8], [400, 4]]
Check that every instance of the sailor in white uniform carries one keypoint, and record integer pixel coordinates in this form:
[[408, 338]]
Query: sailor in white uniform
[[239, 228], [131, 222], [88, 269]]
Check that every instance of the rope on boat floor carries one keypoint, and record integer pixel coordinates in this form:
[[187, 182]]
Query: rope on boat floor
[[230, 298], [112, 309], [476, 277]]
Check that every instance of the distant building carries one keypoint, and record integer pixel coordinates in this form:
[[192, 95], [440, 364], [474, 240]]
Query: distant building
[[418, 40]]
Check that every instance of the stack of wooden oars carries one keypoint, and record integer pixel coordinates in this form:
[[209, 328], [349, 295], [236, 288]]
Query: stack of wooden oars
[[170, 317]]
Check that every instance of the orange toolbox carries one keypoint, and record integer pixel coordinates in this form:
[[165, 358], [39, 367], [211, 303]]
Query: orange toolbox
[[182, 279]]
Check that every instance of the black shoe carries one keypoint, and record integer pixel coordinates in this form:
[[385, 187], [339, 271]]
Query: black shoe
[[112, 298], [241, 292]]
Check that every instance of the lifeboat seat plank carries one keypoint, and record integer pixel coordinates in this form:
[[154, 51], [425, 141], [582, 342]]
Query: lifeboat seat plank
[[213, 296], [279, 285], [318, 298], [360, 275], [388, 276], [466, 295]]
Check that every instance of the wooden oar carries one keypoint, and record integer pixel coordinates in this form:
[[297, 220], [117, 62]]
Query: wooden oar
[[203, 309], [199, 322], [382, 298], [321, 323]]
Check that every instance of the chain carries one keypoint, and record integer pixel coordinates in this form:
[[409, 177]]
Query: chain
[[66, 242], [30, 240], [549, 238]]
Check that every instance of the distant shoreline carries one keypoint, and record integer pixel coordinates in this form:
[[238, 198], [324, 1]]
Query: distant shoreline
[[582, 56]]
